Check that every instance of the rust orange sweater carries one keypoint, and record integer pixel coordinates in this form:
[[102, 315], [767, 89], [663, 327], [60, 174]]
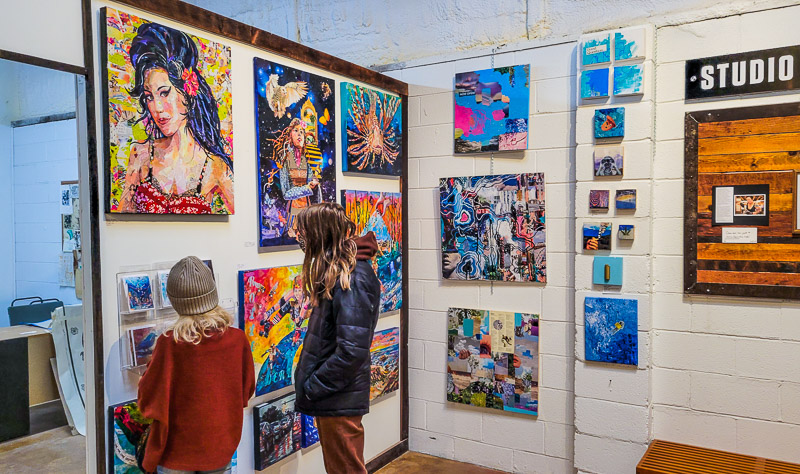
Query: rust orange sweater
[[196, 394]]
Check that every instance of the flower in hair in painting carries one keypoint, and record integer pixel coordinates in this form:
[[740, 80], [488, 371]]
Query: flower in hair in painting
[[190, 85]]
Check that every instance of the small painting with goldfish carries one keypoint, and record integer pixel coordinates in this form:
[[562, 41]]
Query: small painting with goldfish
[[609, 123]]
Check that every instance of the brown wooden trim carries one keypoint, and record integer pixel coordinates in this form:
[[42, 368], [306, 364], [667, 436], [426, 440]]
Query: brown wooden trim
[[748, 266], [98, 351], [388, 456], [43, 119], [404, 312], [795, 207], [690, 204], [745, 113], [226, 27], [41, 62], [752, 278]]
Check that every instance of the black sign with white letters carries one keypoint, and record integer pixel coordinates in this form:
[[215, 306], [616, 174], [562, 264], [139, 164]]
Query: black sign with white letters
[[744, 73]]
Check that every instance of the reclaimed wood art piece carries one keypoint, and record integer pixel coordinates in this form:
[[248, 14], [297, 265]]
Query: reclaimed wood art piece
[[747, 247]]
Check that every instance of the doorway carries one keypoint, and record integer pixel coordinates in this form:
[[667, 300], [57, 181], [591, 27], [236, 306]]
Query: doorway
[[42, 362]]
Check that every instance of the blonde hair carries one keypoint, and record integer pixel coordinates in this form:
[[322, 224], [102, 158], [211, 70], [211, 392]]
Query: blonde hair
[[195, 327]]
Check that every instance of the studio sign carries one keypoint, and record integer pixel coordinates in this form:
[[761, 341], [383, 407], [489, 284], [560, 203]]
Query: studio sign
[[745, 73]]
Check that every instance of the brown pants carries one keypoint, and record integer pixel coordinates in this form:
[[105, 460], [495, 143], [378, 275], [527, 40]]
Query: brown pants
[[342, 440]]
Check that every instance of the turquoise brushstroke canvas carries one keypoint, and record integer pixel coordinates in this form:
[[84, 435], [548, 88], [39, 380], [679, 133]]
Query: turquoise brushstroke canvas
[[594, 83], [596, 50], [629, 80], [629, 44]]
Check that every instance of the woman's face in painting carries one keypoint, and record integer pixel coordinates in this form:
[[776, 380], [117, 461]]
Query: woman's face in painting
[[297, 137], [166, 104]]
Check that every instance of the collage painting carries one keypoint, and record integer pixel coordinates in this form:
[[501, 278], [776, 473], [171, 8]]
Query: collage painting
[[493, 227], [169, 119]]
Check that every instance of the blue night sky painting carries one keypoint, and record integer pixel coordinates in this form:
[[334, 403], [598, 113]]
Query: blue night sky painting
[[611, 330]]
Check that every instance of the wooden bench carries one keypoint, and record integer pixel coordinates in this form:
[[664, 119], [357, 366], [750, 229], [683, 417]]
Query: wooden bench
[[663, 457]]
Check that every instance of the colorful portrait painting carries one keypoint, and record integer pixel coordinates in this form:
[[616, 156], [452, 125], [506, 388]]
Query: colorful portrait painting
[[491, 109], [493, 227], [612, 330], [493, 359], [139, 292], [310, 432], [381, 213], [597, 236], [127, 427], [608, 161], [373, 122], [277, 429], [385, 353], [274, 316], [598, 199], [296, 133], [609, 123], [169, 130]]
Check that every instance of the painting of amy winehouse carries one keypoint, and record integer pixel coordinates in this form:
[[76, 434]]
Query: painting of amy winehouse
[[169, 128], [296, 131], [274, 316]]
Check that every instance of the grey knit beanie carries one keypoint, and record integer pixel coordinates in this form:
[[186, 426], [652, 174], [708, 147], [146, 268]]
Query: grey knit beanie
[[191, 288]]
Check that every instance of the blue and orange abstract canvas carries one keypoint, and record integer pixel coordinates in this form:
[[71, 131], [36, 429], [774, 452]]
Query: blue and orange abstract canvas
[[629, 80], [594, 83], [491, 109], [380, 213], [493, 227], [372, 122], [310, 432], [596, 50], [609, 123], [493, 359], [626, 199], [612, 330], [385, 354]]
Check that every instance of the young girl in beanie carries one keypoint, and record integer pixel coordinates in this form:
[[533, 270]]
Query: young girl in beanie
[[199, 380]]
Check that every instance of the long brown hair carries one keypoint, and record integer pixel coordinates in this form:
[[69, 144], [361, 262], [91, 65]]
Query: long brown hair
[[330, 250]]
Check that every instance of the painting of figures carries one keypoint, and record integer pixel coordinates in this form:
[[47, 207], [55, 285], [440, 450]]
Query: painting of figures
[[277, 429], [611, 330], [380, 213], [274, 316], [296, 144], [385, 353], [169, 126], [491, 109], [493, 227], [373, 122], [493, 359]]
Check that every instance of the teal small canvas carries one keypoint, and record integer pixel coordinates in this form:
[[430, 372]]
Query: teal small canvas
[[615, 273], [597, 50], [629, 44], [629, 80], [594, 83], [609, 123]]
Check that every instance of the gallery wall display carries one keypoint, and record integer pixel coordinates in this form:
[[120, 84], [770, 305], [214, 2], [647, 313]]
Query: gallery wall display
[[597, 236], [493, 227], [381, 213], [611, 330], [608, 161], [169, 127], [604, 74], [493, 359], [609, 123], [277, 431], [769, 70], [372, 122], [385, 355], [70, 218], [126, 427], [274, 317], [491, 109], [741, 202], [296, 143]]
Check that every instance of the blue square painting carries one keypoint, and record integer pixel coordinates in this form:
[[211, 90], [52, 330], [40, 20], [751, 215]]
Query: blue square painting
[[594, 83], [626, 232], [372, 121], [626, 199], [609, 123], [629, 44], [629, 80], [597, 50], [614, 271], [611, 330], [310, 432], [491, 109]]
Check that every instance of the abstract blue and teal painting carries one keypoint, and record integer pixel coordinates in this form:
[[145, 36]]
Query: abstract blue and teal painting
[[609, 123], [597, 50], [491, 109], [629, 80], [372, 121], [310, 432], [611, 330], [629, 44], [594, 83]]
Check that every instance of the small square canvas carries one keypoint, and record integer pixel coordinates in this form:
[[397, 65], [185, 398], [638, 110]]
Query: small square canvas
[[310, 432], [138, 292], [609, 123], [598, 199], [597, 236], [629, 44], [596, 50], [626, 199], [611, 330], [142, 343], [613, 274], [608, 161], [163, 275], [626, 232], [385, 354], [277, 430], [594, 83], [629, 80]]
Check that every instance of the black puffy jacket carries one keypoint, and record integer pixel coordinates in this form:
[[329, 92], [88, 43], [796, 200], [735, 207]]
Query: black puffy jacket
[[333, 374]]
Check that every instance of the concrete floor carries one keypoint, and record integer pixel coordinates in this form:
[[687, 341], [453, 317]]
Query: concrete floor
[[422, 463], [48, 452]]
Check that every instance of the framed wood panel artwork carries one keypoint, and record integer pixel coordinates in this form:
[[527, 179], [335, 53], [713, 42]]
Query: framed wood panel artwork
[[741, 202]]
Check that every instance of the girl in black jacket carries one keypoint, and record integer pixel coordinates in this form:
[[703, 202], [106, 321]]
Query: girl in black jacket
[[333, 374]]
